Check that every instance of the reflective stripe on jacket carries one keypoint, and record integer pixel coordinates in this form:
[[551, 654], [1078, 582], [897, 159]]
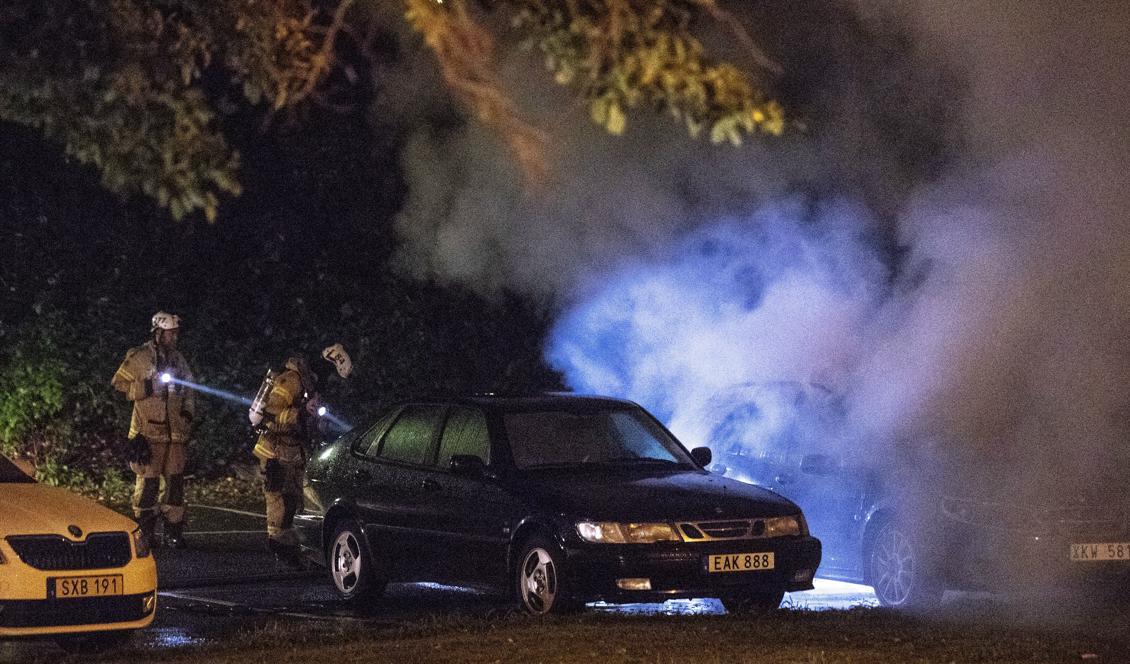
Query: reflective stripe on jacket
[[164, 415], [283, 439]]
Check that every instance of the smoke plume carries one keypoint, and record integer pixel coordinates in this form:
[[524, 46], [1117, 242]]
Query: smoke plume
[[944, 253]]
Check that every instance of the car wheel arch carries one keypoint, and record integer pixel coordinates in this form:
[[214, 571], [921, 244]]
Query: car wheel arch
[[526, 529], [875, 522], [335, 515]]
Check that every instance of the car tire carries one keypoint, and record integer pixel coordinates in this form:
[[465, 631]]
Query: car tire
[[94, 643], [357, 575], [539, 580], [754, 603], [899, 570]]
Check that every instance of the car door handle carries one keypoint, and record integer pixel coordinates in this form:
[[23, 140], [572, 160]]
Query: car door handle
[[785, 478], [430, 485], [362, 476]]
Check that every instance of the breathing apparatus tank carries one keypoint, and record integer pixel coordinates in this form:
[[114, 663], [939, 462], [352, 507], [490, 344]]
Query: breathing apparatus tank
[[259, 403]]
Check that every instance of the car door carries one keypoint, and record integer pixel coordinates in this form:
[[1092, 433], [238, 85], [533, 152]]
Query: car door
[[391, 488], [473, 512], [831, 494]]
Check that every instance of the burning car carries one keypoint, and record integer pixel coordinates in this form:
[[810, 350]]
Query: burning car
[[70, 569], [909, 519], [562, 499]]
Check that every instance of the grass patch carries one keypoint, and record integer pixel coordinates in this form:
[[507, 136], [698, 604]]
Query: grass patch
[[855, 636]]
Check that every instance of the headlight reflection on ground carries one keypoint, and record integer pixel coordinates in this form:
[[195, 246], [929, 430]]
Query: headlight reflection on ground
[[828, 595]]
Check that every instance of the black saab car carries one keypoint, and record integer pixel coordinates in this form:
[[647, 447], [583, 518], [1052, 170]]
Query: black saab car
[[561, 499]]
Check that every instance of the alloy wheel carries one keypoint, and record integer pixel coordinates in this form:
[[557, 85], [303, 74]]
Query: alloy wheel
[[346, 562], [894, 567], [538, 583]]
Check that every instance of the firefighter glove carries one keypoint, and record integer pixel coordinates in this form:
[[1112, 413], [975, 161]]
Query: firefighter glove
[[137, 451]]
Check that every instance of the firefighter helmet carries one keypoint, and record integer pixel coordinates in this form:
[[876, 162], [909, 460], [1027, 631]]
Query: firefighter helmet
[[337, 356], [163, 320]]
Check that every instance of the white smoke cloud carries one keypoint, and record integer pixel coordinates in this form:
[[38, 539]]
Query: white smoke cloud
[[1001, 324]]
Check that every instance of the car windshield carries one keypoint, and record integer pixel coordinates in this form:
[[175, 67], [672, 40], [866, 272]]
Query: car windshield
[[615, 437], [9, 473]]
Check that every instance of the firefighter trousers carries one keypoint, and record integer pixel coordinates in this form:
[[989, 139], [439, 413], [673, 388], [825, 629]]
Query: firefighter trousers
[[282, 489], [159, 489]]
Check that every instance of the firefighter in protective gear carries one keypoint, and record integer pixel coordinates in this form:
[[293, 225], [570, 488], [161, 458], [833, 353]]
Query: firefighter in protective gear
[[289, 420], [160, 425]]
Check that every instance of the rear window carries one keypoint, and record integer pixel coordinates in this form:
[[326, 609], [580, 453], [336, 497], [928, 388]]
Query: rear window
[[10, 473]]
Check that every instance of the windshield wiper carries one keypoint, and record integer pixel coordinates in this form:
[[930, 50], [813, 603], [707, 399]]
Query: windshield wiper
[[624, 461]]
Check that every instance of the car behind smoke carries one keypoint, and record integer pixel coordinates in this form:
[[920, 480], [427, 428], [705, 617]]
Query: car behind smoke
[[910, 520]]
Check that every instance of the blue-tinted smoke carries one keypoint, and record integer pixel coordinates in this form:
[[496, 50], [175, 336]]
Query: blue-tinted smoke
[[766, 312]]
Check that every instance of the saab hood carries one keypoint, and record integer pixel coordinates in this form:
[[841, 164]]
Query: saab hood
[[613, 495], [37, 509]]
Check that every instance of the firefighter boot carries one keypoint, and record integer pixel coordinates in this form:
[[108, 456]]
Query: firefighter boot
[[287, 554], [147, 522], [174, 535]]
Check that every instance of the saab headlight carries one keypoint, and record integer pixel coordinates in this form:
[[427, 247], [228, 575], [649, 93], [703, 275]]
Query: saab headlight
[[140, 544], [783, 526], [611, 532]]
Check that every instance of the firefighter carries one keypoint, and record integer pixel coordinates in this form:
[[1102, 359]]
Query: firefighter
[[163, 411], [288, 418]]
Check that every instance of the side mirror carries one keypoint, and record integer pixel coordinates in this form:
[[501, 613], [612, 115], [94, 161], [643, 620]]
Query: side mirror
[[467, 465], [702, 456], [818, 464]]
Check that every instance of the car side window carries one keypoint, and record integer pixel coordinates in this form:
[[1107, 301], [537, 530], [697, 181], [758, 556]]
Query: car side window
[[367, 442], [410, 438], [464, 433]]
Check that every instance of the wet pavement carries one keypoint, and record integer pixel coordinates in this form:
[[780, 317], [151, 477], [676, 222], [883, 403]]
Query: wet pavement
[[227, 583]]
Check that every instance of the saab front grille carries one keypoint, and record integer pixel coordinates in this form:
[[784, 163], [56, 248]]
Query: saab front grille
[[53, 552], [734, 529], [79, 611]]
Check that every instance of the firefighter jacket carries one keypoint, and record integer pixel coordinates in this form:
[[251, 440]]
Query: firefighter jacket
[[162, 413], [285, 418]]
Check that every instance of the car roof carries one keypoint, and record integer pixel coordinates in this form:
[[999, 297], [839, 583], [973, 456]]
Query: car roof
[[564, 401]]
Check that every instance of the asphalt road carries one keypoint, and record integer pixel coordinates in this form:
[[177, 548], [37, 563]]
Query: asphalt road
[[227, 583]]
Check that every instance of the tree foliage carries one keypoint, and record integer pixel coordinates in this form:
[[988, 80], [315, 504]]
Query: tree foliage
[[123, 85]]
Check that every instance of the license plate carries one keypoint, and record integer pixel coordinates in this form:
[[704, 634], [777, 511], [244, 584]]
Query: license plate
[[1101, 551], [740, 562], [67, 587]]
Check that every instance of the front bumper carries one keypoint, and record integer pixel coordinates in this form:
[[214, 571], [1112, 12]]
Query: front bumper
[[31, 617], [678, 569], [978, 558], [26, 609]]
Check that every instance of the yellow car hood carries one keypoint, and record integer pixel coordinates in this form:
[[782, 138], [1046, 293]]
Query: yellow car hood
[[40, 509]]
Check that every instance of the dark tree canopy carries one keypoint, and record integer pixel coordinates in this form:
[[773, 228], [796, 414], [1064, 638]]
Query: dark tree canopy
[[122, 85]]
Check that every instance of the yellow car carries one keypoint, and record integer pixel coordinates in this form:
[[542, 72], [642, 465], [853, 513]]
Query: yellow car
[[70, 569]]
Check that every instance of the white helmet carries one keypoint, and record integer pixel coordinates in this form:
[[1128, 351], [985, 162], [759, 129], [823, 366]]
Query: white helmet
[[336, 355], [163, 320]]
